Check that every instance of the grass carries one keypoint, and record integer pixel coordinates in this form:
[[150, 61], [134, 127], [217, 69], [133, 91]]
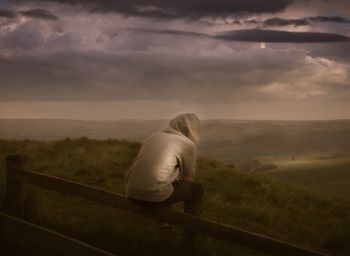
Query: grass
[[330, 177], [249, 201]]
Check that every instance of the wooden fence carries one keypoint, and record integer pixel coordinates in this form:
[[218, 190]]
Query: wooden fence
[[23, 236], [17, 179]]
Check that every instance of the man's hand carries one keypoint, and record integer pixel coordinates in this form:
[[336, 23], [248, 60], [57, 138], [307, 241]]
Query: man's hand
[[187, 179]]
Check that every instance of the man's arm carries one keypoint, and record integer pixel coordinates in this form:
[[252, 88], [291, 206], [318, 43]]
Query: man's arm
[[187, 179], [188, 163]]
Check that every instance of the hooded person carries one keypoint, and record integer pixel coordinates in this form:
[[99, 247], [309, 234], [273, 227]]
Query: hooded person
[[165, 167]]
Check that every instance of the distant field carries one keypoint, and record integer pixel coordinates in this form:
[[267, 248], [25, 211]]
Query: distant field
[[331, 177], [226, 140]]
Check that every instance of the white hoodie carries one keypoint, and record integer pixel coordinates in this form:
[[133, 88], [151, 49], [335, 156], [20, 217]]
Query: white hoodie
[[162, 157]]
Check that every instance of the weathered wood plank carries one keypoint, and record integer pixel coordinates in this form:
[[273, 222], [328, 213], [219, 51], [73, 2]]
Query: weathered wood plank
[[45, 241], [14, 187], [228, 233]]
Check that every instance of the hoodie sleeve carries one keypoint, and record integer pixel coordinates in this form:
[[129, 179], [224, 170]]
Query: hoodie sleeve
[[188, 161]]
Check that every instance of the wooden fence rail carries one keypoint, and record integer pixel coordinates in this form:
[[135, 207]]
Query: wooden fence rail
[[36, 240], [17, 179]]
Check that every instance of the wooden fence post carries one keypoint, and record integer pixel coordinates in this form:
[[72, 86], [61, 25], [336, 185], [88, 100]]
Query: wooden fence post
[[14, 188], [189, 242]]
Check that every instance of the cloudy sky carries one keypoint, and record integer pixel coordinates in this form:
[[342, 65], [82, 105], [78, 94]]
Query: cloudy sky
[[151, 59]]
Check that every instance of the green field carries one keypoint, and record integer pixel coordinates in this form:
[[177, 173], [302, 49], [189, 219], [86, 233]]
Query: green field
[[331, 177], [246, 200]]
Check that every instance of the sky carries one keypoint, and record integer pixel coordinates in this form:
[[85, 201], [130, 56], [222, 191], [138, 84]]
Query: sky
[[153, 59]]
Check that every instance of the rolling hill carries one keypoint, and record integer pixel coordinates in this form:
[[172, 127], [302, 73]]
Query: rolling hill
[[230, 141], [227, 140], [246, 200], [331, 177]]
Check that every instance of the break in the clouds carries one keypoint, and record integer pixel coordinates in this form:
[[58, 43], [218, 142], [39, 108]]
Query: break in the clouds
[[203, 53]]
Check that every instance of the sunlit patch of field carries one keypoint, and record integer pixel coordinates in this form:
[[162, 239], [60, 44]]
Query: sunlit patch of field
[[331, 177]]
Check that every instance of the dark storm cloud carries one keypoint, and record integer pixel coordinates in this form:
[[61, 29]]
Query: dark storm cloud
[[329, 19], [95, 75], [283, 22], [273, 36], [99, 57], [32, 13], [39, 14], [221, 75], [170, 32], [303, 22], [7, 13], [177, 9], [258, 35]]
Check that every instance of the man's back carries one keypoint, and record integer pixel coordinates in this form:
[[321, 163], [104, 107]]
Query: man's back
[[161, 158]]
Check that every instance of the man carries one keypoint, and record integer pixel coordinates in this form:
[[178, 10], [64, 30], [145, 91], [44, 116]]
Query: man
[[163, 172]]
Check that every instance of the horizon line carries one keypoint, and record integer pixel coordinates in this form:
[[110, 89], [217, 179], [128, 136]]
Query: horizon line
[[166, 119]]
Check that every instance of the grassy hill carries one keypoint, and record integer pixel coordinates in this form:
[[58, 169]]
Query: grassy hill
[[230, 141], [331, 177], [249, 201]]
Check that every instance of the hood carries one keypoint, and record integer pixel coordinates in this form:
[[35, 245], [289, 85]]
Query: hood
[[187, 124]]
